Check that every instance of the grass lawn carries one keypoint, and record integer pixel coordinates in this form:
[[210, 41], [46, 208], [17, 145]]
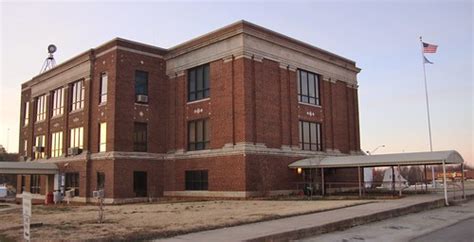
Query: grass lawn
[[154, 220]]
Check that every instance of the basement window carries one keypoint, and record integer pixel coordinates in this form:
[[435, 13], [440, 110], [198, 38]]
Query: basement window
[[196, 180]]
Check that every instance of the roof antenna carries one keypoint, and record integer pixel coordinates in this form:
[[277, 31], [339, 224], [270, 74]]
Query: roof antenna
[[49, 63]]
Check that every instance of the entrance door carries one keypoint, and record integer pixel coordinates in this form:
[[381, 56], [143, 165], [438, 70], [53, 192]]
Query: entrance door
[[140, 183]]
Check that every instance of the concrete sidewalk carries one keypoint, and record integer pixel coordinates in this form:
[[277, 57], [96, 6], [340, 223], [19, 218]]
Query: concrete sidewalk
[[313, 224]]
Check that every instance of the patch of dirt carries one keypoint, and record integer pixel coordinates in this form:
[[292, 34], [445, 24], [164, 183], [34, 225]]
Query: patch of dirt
[[154, 220]]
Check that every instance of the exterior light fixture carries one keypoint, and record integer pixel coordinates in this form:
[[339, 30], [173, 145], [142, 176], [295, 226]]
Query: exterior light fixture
[[299, 170]]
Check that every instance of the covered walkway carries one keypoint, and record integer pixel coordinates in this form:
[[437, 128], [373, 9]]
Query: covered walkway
[[443, 158], [28, 168]]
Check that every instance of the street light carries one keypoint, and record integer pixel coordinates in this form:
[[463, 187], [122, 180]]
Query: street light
[[373, 151]]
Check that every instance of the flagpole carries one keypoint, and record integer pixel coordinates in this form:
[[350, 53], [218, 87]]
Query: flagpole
[[427, 108]]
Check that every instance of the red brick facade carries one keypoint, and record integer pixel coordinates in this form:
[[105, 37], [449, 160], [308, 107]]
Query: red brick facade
[[253, 111]]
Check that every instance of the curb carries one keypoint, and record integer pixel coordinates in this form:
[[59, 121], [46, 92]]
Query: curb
[[348, 223]]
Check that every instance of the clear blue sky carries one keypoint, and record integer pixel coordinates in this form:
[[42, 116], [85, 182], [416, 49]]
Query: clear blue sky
[[381, 36]]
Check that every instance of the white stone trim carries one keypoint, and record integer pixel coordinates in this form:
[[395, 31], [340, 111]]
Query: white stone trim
[[228, 194], [200, 100], [311, 105]]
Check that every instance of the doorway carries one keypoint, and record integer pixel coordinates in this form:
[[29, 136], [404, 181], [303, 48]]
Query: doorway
[[140, 183]]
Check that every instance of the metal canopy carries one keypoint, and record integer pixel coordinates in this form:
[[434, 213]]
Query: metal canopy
[[416, 158], [28, 168]]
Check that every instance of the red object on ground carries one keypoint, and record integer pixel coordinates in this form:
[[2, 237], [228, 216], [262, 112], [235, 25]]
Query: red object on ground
[[49, 198]]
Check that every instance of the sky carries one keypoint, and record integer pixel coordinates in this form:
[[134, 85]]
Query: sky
[[381, 36]]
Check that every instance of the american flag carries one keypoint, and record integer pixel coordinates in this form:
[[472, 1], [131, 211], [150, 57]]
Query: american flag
[[429, 48]]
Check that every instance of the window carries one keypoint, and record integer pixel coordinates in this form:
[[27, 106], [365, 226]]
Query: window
[[26, 114], [25, 148], [310, 136], [58, 102], [140, 137], [77, 95], [102, 137], [139, 183], [103, 88], [23, 184], [40, 147], [72, 182], [35, 186], [76, 138], [196, 180], [308, 87], [100, 180], [198, 134], [41, 108], [141, 84], [57, 144], [198, 83]]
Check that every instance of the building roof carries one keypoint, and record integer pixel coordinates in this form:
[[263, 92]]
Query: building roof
[[238, 27], [28, 168], [416, 158]]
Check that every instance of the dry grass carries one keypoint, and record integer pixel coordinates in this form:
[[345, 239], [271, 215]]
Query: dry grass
[[136, 221]]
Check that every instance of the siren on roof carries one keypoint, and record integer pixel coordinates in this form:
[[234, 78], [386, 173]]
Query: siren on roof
[[49, 63]]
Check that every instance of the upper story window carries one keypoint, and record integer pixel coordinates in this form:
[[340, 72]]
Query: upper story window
[[308, 88], [103, 88], [76, 138], [77, 95], [57, 144], [40, 147], [26, 113], [198, 83], [310, 136], [102, 137], [58, 102], [41, 105], [198, 134], [140, 137], [141, 86], [25, 148]]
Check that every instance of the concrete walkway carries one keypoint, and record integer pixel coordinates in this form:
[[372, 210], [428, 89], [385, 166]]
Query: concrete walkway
[[313, 224]]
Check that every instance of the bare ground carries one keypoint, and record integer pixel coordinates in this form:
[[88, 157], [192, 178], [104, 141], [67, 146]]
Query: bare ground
[[154, 220]]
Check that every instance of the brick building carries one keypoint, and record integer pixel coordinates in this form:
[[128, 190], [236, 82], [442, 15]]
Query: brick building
[[221, 115]]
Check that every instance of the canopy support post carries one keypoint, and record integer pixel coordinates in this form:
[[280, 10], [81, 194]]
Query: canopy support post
[[322, 183], [462, 181], [393, 180], [399, 181], [360, 188], [444, 184], [424, 178]]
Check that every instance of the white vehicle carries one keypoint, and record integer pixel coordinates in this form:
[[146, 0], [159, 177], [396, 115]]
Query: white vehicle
[[3, 191]]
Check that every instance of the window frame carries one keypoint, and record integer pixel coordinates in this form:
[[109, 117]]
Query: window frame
[[304, 92], [35, 184], [40, 140], [194, 133], [26, 114], [194, 92], [76, 137], [58, 102], [100, 181], [138, 90], [102, 137], [196, 180], [77, 95], [72, 183], [57, 144], [41, 108], [104, 78], [140, 129], [314, 143]]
